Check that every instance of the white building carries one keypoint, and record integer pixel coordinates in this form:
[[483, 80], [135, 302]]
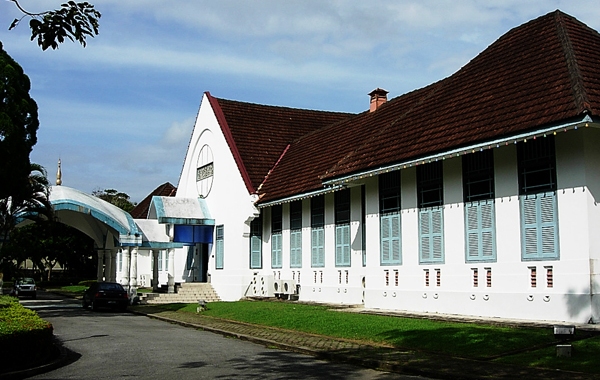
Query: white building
[[476, 195]]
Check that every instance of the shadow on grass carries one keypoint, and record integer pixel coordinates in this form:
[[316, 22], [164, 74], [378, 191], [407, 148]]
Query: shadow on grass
[[469, 341]]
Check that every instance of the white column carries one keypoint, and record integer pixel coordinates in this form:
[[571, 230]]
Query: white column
[[113, 259], [171, 283], [134, 258], [155, 270], [108, 265], [125, 272], [100, 273]]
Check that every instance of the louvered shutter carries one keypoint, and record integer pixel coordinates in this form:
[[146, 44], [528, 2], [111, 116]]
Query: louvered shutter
[[276, 251], [480, 231], [342, 245], [431, 235], [390, 239], [219, 254], [318, 247], [296, 249], [539, 226], [255, 252]]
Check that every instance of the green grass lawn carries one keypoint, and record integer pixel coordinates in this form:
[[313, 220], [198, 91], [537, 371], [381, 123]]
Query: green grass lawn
[[449, 338]]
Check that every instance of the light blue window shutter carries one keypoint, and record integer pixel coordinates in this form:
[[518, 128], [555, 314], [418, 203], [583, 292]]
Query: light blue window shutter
[[342, 245], [425, 235], [480, 231], [488, 230], [431, 235], [220, 251], [390, 239], [549, 225], [296, 248], [318, 247], [255, 252], [539, 226], [276, 251]]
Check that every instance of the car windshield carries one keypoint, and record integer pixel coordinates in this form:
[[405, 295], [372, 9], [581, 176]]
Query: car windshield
[[26, 281], [109, 286]]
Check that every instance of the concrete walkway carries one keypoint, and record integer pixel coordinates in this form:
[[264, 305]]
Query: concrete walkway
[[378, 356]]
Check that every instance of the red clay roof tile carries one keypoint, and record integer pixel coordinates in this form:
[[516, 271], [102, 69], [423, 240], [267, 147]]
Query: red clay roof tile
[[542, 72]]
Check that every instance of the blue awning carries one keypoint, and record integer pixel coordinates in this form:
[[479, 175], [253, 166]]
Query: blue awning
[[190, 234]]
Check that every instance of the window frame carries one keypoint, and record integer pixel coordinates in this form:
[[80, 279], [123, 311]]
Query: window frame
[[255, 243], [317, 224], [390, 219], [219, 247], [479, 214], [342, 208], [430, 199]]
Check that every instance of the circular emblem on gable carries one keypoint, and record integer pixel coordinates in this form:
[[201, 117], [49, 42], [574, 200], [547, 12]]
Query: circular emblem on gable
[[204, 171]]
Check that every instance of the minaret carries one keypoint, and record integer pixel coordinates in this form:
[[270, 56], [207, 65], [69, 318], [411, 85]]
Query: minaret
[[58, 175]]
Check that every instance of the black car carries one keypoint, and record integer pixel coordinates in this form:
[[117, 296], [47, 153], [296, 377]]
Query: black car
[[105, 294]]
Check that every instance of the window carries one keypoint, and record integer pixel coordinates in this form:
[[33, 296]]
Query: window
[[219, 247], [430, 201], [537, 166], [478, 195], [296, 234], [537, 190], [276, 229], [389, 218], [317, 224], [342, 228], [256, 243]]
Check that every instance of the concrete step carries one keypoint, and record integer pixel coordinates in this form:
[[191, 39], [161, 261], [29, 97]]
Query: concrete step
[[186, 293]]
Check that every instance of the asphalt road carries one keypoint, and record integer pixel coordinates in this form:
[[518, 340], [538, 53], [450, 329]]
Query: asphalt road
[[109, 345]]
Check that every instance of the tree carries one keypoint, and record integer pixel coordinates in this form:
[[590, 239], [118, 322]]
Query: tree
[[121, 200], [30, 203], [18, 127], [75, 21]]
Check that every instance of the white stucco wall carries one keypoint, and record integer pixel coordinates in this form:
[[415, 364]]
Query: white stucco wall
[[510, 295], [229, 203]]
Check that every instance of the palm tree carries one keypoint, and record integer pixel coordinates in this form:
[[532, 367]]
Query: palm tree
[[31, 203]]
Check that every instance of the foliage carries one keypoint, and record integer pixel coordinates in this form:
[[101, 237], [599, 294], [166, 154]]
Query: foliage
[[48, 243], [75, 21], [18, 127], [30, 203], [20, 330], [121, 200]]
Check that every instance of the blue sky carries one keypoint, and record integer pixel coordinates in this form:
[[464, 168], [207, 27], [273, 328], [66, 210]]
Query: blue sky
[[119, 112]]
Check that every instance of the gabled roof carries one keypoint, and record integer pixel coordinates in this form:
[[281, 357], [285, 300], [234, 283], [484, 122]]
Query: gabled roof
[[258, 135], [140, 211], [543, 72]]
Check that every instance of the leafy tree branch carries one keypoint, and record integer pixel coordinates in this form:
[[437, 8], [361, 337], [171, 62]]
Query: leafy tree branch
[[75, 21]]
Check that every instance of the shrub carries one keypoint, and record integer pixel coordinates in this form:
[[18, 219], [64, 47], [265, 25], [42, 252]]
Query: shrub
[[25, 338], [87, 283]]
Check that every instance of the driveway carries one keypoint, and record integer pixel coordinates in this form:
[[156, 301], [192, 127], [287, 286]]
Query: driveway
[[108, 345]]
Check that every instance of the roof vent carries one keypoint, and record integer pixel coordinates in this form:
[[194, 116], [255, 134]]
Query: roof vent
[[378, 97]]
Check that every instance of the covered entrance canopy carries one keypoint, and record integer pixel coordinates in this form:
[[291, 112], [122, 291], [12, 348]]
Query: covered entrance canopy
[[189, 223]]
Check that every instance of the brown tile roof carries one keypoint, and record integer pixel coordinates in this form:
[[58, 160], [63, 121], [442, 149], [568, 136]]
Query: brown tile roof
[[140, 211], [258, 135], [543, 72]]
